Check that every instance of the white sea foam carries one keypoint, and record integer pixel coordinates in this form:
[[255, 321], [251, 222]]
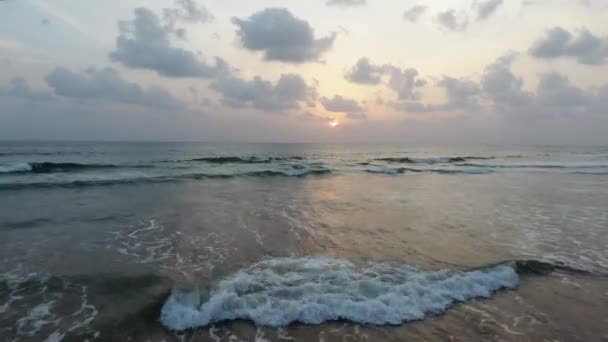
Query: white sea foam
[[15, 167], [280, 291], [33, 304], [153, 243]]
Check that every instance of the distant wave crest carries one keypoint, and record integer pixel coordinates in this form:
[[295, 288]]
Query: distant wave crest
[[431, 160], [402, 170], [543, 165], [244, 160]]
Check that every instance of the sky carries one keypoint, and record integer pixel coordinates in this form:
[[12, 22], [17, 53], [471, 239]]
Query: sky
[[330, 71]]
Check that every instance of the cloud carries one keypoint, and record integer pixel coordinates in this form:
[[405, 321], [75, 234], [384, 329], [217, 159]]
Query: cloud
[[413, 13], [145, 43], [451, 21], [500, 91], [583, 46], [486, 8], [339, 104], [288, 93], [415, 107], [187, 11], [308, 116], [462, 93], [108, 84], [405, 82], [365, 73], [504, 88], [18, 87], [282, 37], [556, 90], [346, 3]]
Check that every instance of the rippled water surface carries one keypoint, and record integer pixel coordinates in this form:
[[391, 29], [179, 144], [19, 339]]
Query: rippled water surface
[[229, 242]]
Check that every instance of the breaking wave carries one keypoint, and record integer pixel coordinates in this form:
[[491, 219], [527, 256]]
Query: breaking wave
[[280, 291], [48, 167]]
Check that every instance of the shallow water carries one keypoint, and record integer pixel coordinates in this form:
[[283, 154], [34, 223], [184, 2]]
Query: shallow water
[[98, 241]]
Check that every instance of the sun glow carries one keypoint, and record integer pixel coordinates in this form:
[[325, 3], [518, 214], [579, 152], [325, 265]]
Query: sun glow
[[334, 123]]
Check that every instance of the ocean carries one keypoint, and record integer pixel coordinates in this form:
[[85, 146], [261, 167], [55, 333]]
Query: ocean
[[302, 242]]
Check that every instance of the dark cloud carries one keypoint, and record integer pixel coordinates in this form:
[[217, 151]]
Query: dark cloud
[[504, 88], [583, 46], [364, 72], [405, 82], [339, 104], [462, 93], [413, 13], [108, 84], [452, 21], [287, 94], [282, 37], [486, 8], [145, 43], [556, 90], [346, 3], [45, 22]]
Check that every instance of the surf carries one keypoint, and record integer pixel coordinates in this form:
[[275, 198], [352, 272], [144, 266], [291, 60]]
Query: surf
[[312, 290]]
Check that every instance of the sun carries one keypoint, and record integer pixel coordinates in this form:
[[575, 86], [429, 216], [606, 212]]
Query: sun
[[334, 123]]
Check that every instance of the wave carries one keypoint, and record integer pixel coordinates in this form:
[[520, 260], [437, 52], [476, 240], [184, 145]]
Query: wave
[[402, 170], [594, 173], [15, 168], [538, 267], [288, 173], [33, 153], [48, 167], [547, 165], [432, 160], [280, 291], [161, 179], [244, 160]]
